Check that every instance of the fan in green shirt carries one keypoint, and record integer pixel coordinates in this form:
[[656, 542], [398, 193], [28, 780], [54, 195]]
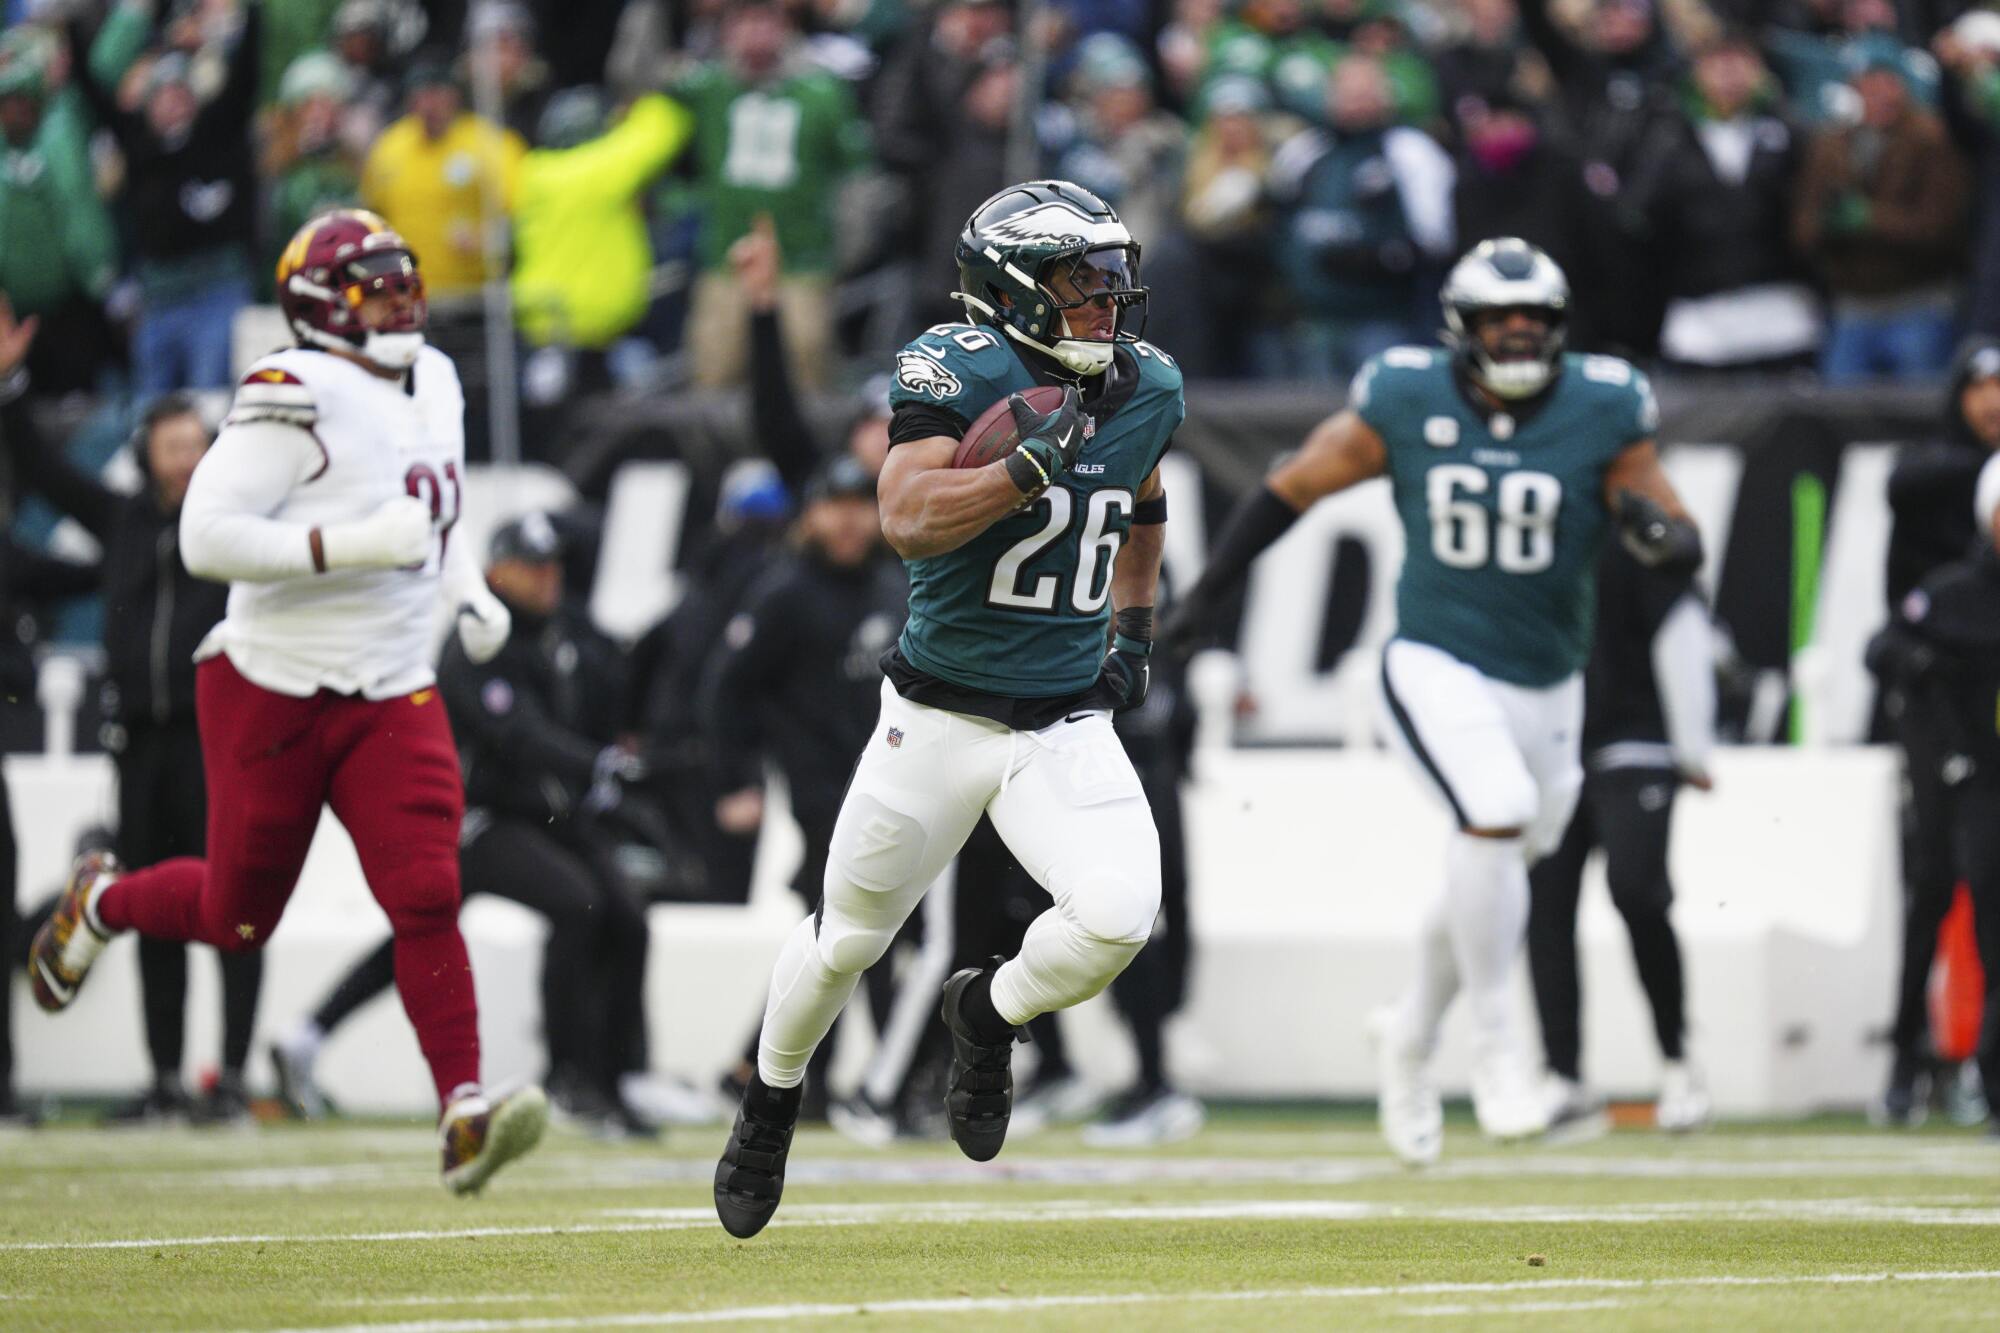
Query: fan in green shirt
[[772, 135]]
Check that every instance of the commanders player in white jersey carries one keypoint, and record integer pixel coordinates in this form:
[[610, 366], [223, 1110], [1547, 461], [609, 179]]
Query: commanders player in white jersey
[[327, 504]]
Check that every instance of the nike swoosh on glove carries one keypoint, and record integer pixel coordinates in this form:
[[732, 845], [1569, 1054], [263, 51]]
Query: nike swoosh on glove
[[1128, 676], [483, 625], [1050, 441]]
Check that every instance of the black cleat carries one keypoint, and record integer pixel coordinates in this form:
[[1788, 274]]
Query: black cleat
[[980, 1100], [750, 1178]]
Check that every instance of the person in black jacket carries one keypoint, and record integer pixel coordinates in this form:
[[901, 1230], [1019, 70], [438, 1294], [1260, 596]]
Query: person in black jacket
[[1931, 495], [1942, 651], [155, 616], [797, 678], [1648, 727], [191, 199], [1610, 79], [543, 769], [1709, 201]]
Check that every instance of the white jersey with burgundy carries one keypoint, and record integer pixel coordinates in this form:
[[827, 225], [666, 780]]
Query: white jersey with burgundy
[[363, 440]]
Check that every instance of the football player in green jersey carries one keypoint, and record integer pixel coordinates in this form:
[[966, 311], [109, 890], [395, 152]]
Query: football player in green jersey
[[1509, 460], [1031, 619]]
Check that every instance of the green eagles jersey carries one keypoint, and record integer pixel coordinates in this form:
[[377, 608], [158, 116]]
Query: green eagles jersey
[[1503, 515], [779, 149], [1023, 609]]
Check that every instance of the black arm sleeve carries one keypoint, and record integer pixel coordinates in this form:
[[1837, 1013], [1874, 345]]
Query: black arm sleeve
[[1258, 521], [924, 421], [780, 428]]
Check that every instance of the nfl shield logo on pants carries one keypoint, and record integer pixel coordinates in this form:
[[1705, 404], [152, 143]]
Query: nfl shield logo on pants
[[895, 738]]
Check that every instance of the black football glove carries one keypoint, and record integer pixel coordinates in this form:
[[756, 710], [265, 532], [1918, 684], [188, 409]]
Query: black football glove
[[1655, 538], [1050, 441], [1127, 669]]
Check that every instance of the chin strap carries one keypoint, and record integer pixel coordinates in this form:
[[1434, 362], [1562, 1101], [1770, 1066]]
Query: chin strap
[[1084, 357]]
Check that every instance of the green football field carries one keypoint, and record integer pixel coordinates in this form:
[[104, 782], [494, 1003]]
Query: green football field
[[1265, 1221]]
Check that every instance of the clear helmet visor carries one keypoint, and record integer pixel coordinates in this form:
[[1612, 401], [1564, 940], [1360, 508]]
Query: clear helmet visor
[[1094, 289]]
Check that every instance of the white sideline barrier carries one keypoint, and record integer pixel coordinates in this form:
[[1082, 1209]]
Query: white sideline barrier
[[1311, 869]]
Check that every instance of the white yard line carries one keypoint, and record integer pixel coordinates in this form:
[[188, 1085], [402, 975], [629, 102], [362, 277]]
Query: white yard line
[[1509, 1307], [638, 1172], [351, 1237], [966, 1212], [1012, 1304]]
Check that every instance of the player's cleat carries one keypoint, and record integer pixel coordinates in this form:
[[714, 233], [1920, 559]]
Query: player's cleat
[[1145, 1117], [750, 1178], [1409, 1109], [980, 1100], [1506, 1100], [293, 1059], [1575, 1113], [69, 941], [1683, 1104], [479, 1136]]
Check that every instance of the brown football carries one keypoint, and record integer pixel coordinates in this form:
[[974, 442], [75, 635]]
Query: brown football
[[994, 435]]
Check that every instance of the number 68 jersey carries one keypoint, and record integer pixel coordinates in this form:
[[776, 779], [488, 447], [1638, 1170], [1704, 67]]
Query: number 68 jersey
[[1503, 510], [363, 441]]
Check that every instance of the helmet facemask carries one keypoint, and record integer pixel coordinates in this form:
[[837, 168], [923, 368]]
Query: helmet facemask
[[1523, 364], [329, 275], [1098, 301], [1496, 278], [393, 341]]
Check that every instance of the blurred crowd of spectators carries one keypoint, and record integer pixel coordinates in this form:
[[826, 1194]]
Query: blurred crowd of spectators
[[1731, 184]]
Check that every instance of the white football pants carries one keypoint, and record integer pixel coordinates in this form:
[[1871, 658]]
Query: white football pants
[[1066, 801], [1499, 757]]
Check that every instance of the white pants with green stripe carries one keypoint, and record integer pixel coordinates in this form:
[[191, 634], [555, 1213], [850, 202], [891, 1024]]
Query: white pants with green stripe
[[1069, 806]]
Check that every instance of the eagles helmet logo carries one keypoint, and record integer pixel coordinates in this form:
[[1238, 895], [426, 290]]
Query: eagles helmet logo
[[1051, 222], [920, 374]]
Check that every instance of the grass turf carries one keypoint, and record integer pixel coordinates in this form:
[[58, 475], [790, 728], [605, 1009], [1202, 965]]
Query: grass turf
[[1289, 1220]]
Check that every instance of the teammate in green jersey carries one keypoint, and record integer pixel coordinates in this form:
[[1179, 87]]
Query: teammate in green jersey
[[1031, 619], [1509, 461]]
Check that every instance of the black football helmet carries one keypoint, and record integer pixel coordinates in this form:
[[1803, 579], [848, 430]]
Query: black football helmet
[[1031, 240]]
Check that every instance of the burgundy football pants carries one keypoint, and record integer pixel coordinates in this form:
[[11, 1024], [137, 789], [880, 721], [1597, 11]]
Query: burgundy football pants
[[390, 771]]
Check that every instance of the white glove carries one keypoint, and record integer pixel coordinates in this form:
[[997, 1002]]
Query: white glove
[[397, 534], [483, 625]]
